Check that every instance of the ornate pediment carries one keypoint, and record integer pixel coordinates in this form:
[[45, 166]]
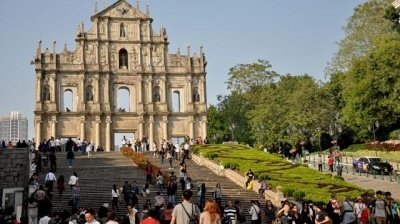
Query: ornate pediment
[[121, 9]]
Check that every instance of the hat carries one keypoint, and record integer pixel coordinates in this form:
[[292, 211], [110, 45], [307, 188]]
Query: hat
[[359, 198], [105, 205]]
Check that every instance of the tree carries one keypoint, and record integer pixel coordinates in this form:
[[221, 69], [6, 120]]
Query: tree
[[245, 77], [366, 24], [215, 124], [372, 87]]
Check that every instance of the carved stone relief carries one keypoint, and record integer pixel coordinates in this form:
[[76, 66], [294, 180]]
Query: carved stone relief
[[157, 55], [134, 58]]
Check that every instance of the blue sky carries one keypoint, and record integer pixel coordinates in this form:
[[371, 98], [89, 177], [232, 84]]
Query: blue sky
[[296, 36]]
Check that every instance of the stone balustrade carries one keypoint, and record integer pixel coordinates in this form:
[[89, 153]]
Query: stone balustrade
[[275, 197]]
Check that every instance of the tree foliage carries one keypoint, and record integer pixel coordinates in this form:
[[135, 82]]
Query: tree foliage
[[366, 24]]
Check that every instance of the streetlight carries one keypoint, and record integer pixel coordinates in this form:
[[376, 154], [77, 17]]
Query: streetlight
[[373, 128], [231, 128], [334, 131]]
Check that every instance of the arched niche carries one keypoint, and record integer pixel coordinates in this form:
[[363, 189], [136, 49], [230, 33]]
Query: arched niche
[[123, 59]]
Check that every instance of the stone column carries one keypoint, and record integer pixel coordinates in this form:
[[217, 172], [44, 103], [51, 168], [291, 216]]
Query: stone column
[[203, 94], [189, 89], [83, 128], [151, 134], [149, 89], [163, 89], [141, 123], [53, 126], [140, 98], [38, 136], [191, 124], [204, 127], [97, 128], [108, 133], [38, 87], [164, 127], [53, 88]]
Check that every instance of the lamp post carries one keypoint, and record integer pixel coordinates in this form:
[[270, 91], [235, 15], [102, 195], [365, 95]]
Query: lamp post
[[231, 128], [334, 131], [373, 128]]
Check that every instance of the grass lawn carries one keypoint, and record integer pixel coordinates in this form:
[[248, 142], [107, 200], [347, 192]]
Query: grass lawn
[[279, 172]]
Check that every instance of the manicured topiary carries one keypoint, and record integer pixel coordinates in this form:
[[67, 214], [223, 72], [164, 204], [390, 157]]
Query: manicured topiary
[[299, 195]]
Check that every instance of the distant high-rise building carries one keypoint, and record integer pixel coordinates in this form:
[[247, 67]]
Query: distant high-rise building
[[14, 127]]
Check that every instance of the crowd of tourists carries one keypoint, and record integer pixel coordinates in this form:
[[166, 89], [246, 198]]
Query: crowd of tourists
[[162, 206]]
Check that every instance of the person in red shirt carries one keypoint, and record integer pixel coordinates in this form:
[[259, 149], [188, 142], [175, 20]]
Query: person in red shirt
[[167, 214], [151, 218], [330, 163], [149, 173]]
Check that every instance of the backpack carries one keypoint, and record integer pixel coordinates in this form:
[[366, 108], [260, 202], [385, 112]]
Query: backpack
[[364, 215], [193, 218]]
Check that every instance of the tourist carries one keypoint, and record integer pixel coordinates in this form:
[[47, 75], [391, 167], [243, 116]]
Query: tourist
[[126, 190], [230, 213], [34, 180], [306, 213], [182, 211], [151, 217], [149, 173], [392, 214], [89, 217], [321, 217], [269, 211], [240, 217], [176, 150], [102, 213], [254, 212], [60, 186], [111, 218], [285, 214], [347, 211], [182, 178], [73, 179], [166, 216], [189, 185], [155, 150], [297, 215], [171, 190], [70, 157], [162, 155], [319, 162], [144, 213], [202, 195], [75, 196], [263, 187], [339, 167], [249, 177], [40, 196], [169, 158], [130, 217], [379, 209], [115, 197], [53, 162], [146, 190], [211, 214], [335, 214], [217, 194], [159, 202], [89, 149], [49, 180], [330, 163], [159, 181]]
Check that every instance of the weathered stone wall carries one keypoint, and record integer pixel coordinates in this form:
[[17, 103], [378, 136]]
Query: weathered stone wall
[[14, 168]]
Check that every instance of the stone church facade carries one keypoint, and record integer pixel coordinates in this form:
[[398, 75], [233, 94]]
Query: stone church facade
[[120, 51]]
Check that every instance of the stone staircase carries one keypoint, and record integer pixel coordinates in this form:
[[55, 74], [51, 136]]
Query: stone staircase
[[98, 173], [230, 190]]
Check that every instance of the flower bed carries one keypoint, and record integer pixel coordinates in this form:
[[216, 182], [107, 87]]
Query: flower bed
[[140, 160]]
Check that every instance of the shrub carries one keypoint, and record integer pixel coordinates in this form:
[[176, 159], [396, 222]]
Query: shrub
[[263, 176], [256, 175], [338, 177], [234, 166], [394, 134], [196, 150], [211, 155], [227, 165], [288, 192], [299, 195], [355, 148]]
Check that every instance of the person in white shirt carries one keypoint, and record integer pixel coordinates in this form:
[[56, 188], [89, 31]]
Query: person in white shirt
[[49, 180], [57, 143], [254, 211], [73, 179], [78, 143], [44, 220], [52, 145], [89, 149], [177, 149], [115, 197]]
